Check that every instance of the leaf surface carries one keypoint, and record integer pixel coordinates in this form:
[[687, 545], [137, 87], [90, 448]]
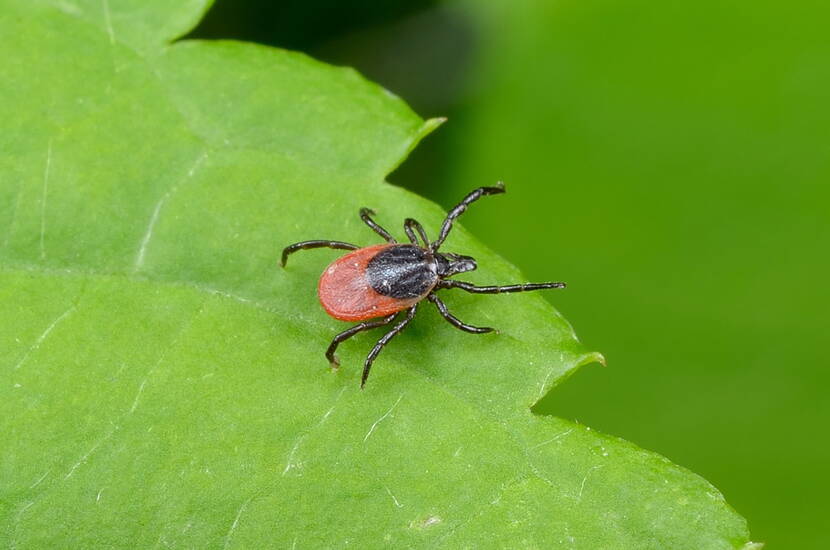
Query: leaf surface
[[163, 382]]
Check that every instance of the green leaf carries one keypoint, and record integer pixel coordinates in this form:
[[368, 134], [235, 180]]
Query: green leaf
[[163, 382]]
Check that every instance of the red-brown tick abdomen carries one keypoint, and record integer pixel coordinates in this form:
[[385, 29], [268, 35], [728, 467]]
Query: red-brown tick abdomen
[[346, 294]]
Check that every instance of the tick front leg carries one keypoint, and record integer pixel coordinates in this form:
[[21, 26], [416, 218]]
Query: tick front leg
[[367, 366], [469, 287], [365, 215], [460, 208], [410, 226], [346, 334], [290, 249], [455, 321]]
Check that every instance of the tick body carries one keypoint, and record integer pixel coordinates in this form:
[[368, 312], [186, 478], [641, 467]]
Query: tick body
[[376, 281], [379, 284]]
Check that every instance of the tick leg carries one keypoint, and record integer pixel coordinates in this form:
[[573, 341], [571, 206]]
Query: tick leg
[[383, 341], [469, 287], [314, 244], [408, 225], [455, 321], [365, 214], [460, 208], [346, 334]]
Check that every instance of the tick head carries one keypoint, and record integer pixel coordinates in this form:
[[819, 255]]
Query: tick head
[[449, 264]]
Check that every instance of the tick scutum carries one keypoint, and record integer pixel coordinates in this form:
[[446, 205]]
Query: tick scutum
[[402, 271]]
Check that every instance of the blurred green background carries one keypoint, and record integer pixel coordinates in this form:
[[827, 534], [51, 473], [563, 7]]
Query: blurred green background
[[670, 161]]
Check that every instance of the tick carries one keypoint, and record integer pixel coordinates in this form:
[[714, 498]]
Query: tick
[[378, 284]]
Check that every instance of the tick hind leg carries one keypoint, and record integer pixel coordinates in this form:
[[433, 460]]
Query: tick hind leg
[[346, 334], [367, 366], [290, 249], [461, 207], [455, 321], [366, 216]]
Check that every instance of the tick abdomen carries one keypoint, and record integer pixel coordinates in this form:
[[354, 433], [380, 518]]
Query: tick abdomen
[[346, 293]]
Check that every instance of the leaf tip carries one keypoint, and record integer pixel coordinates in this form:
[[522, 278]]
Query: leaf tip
[[426, 127], [429, 125], [572, 366], [591, 357]]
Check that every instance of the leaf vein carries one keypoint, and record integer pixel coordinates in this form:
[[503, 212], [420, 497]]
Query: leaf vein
[[40, 339], [46, 171], [236, 521], [148, 232], [379, 420]]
